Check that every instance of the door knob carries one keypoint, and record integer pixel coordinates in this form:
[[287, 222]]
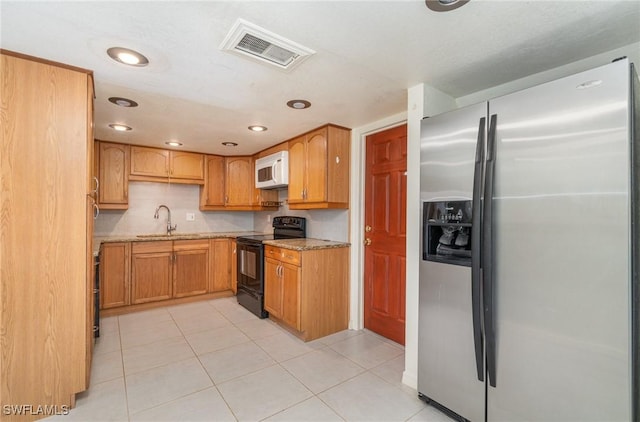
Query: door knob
[[367, 228], [367, 241]]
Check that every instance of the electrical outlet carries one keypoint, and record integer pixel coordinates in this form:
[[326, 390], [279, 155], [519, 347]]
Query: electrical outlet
[[191, 216], [268, 218]]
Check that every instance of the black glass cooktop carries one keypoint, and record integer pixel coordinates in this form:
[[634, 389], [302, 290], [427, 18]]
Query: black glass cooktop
[[257, 237]]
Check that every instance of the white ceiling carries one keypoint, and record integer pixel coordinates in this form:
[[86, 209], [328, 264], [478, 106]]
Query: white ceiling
[[367, 54]]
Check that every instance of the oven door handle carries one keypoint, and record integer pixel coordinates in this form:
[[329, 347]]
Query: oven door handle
[[242, 259]]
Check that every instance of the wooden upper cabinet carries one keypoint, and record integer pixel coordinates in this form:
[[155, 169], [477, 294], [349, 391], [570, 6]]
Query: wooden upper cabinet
[[229, 184], [297, 169], [316, 184], [239, 181], [149, 162], [113, 175], [319, 169], [212, 192], [159, 165], [186, 165]]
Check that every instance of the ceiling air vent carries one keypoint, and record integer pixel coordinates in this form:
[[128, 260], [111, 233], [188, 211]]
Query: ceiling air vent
[[252, 41]]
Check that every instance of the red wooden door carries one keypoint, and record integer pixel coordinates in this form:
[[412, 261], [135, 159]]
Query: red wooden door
[[385, 233]]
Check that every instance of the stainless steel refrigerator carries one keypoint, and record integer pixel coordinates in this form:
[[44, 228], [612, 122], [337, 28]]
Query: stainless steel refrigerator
[[530, 253]]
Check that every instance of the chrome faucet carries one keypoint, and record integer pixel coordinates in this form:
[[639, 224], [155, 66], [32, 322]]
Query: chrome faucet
[[170, 228]]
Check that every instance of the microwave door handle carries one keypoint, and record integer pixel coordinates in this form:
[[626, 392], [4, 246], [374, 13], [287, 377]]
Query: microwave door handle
[[273, 171]]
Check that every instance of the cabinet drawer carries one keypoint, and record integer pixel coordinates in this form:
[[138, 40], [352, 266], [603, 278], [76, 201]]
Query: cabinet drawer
[[290, 257], [150, 247], [285, 255], [187, 245]]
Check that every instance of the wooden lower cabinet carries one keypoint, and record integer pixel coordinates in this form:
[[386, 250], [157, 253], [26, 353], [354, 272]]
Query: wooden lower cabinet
[[115, 273], [151, 271], [190, 267], [272, 287], [234, 266], [136, 273], [220, 265], [307, 291]]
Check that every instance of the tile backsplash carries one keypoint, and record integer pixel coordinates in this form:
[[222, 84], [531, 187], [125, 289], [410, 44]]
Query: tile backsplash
[[321, 224], [145, 197]]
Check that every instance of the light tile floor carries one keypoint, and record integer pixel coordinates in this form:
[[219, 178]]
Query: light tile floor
[[215, 361]]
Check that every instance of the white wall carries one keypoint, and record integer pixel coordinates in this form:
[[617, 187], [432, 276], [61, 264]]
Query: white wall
[[144, 198]]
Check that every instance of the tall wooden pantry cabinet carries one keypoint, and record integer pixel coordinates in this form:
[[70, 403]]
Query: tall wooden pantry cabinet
[[46, 222]]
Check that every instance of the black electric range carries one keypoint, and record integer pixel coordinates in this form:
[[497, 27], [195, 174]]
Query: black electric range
[[250, 261]]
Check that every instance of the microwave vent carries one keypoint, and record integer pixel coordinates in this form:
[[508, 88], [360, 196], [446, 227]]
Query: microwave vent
[[250, 40]]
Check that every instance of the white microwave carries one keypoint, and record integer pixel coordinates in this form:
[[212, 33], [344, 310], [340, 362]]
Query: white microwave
[[272, 171]]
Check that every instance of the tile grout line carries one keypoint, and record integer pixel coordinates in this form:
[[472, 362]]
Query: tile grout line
[[234, 324]]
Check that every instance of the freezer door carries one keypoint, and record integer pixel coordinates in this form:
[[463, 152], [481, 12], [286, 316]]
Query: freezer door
[[447, 370], [561, 251]]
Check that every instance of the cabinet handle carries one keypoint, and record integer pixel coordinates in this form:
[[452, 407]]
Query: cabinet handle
[[96, 211], [226, 199], [95, 179]]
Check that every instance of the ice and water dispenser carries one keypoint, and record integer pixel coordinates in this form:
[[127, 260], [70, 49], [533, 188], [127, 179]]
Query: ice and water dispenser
[[447, 232]]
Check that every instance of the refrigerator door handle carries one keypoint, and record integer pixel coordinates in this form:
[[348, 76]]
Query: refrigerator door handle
[[476, 245], [487, 252]]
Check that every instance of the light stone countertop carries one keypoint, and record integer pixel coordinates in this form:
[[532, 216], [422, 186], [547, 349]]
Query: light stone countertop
[[293, 244], [98, 240], [306, 244]]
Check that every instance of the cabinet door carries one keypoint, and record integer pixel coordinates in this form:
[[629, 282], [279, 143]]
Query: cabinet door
[[187, 165], [291, 295], [113, 175], [190, 272], [114, 275], [239, 181], [272, 287], [212, 193], [316, 154], [297, 169], [220, 269], [43, 168], [233, 263], [151, 276], [149, 162]]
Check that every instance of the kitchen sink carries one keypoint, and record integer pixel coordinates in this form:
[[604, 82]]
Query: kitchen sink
[[167, 236]]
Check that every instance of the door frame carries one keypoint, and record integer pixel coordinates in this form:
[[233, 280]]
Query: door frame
[[356, 222]]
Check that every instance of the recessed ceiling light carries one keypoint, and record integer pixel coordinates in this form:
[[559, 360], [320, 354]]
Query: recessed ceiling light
[[123, 102], [127, 56], [229, 144], [258, 128], [174, 143], [299, 104], [119, 127], [444, 5]]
